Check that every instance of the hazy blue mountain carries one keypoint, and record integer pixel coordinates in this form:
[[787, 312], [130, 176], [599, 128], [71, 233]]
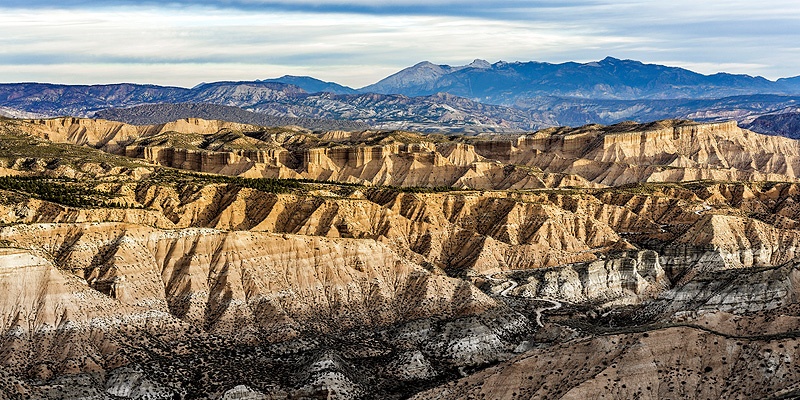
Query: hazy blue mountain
[[575, 112], [474, 97], [241, 94], [421, 79], [438, 112], [83, 100], [610, 78], [313, 85], [51, 99], [327, 111], [784, 124], [152, 114], [792, 84]]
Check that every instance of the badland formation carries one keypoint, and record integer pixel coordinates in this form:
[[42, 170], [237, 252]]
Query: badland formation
[[209, 259]]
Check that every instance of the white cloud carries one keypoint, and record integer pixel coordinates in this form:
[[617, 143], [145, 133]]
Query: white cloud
[[182, 48], [187, 45]]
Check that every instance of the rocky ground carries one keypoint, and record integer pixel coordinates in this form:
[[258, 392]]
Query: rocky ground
[[125, 278]]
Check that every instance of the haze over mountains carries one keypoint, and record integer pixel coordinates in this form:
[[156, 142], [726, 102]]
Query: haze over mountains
[[610, 78], [478, 97]]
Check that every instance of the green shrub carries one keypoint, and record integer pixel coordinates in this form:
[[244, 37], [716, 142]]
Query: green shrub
[[66, 191]]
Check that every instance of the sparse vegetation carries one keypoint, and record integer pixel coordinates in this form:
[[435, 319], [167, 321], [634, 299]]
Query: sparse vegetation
[[66, 191], [269, 185], [423, 189]]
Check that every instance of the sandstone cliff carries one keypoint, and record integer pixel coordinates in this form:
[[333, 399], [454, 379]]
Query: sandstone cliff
[[589, 156]]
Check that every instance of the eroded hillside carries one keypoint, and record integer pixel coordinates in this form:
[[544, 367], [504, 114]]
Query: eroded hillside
[[125, 278], [589, 156]]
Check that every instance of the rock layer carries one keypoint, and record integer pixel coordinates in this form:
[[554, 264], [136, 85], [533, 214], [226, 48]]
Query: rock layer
[[593, 155]]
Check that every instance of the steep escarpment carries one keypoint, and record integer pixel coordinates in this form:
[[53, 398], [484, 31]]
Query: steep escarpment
[[226, 280], [706, 226], [589, 156], [458, 233], [667, 151], [114, 136], [136, 307]]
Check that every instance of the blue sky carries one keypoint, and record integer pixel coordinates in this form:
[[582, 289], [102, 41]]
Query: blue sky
[[358, 42]]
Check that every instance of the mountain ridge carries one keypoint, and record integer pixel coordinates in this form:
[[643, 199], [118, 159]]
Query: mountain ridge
[[152, 114], [610, 78], [313, 85], [477, 97]]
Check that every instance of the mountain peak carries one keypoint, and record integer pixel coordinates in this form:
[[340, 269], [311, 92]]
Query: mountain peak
[[613, 60], [423, 74], [424, 64], [609, 78], [312, 85], [480, 64]]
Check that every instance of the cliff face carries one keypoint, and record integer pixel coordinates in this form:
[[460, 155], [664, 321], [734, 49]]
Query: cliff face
[[589, 156], [660, 152], [112, 136], [274, 285]]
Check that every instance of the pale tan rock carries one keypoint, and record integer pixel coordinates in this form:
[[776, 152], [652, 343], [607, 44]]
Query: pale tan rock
[[591, 156], [224, 280], [666, 363]]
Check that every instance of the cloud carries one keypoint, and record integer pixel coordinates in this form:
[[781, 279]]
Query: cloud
[[505, 8], [358, 42], [318, 43]]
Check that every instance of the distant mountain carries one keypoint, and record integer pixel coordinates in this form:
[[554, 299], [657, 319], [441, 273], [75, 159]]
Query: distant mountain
[[14, 113], [785, 124], [241, 94], [79, 100], [556, 111], [792, 83], [610, 78], [476, 97], [83, 100], [421, 79], [153, 114], [439, 112], [313, 85]]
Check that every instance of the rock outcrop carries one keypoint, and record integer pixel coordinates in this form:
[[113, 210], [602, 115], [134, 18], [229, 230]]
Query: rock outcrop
[[277, 285], [589, 156], [665, 363]]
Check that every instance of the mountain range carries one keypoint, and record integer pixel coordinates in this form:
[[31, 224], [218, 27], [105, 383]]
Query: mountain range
[[313, 85], [610, 78], [477, 97]]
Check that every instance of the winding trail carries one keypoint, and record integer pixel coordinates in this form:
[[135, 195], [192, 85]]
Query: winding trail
[[554, 304]]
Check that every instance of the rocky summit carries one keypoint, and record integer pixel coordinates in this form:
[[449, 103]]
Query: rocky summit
[[205, 259]]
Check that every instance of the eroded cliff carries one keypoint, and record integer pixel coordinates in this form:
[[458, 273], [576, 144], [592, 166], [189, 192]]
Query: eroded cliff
[[589, 156], [122, 278]]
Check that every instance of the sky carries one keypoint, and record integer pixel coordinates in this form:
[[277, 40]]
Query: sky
[[358, 42]]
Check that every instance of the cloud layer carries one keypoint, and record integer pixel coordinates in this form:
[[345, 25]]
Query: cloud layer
[[356, 42]]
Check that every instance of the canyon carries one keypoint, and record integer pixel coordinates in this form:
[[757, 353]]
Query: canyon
[[211, 259]]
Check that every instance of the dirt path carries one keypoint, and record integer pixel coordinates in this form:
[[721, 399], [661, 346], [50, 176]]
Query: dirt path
[[554, 304]]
